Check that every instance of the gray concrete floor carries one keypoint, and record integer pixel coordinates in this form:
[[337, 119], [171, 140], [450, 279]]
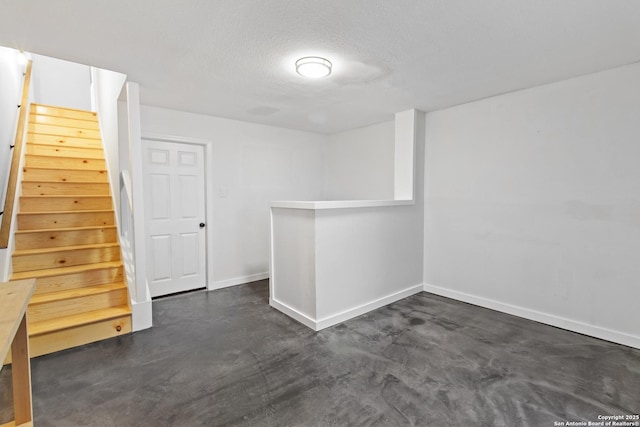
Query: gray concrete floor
[[225, 358]]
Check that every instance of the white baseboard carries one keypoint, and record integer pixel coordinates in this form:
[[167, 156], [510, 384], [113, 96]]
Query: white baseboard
[[549, 319], [141, 315], [293, 313], [343, 316], [237, 281], [366, 307]]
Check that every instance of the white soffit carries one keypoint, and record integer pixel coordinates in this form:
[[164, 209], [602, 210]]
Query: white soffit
[[235, 58]]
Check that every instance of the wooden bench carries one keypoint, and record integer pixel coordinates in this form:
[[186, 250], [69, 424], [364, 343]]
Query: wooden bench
[[14, 298]]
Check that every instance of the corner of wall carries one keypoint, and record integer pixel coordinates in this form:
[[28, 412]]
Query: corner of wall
[[5, 260], [404, 154], [141, 315]]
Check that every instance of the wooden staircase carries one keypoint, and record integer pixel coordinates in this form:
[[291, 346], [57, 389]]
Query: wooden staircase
[[66, 236]]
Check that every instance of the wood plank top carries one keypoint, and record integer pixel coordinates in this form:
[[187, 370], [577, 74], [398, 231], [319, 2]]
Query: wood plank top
[[14, 298]]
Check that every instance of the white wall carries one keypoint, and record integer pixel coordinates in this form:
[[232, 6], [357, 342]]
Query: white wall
[[106, 89], [359, 163], [253, 165], [293, 262], [132, 216], [533, 203], [12, 67], [11, 80], [61, 83], [367, 258]]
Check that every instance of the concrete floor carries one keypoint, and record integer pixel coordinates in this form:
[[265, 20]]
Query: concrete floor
[[225, 358]]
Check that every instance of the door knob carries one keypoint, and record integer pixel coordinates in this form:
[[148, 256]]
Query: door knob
[[202, 224]]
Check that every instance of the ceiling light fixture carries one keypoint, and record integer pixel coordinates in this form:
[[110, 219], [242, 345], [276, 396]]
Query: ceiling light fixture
[[313, 67]]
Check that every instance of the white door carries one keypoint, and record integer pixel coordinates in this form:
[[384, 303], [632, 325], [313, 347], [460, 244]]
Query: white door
[[174, 192]]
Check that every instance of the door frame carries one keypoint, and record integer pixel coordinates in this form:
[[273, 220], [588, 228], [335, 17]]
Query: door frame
[[207, 146]]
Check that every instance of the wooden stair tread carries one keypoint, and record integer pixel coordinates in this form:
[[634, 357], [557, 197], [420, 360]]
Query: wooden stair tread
[[72, 235], [31, 174], [66, 322], [56, 156], [70, 188], [98, 201], [21, 252], [66, 212], [57, 162], [40, 108], [60, 156], [53, 168], [65, 219], [65, 270], [56, 230], [49, 129], [57, 120], [45, 181], [64, 196], [64, 203], [75, 293], [50, 145], [62, 142]]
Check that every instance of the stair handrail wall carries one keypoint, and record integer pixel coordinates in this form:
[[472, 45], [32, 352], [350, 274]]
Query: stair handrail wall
[[14, 170], [132, 206], [127, 240]]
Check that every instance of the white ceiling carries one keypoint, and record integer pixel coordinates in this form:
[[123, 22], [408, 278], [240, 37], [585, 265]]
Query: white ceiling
[[234, 58]]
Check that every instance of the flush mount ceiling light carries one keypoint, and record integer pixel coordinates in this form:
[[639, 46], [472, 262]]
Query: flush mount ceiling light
[[313, 67]]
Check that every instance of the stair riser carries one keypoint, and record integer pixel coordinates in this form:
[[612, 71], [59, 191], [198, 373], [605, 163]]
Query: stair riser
[[54, 239], [63, 204], [54, 141], [63, 121], [51, 310], [64, 163], [37, 174], [81, 279], [64, 258], [49, 110], [65, 189], [63, 131], [73, 337], [64, 220]]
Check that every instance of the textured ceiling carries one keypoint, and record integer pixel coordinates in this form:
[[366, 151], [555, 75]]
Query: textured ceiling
[[234, 58]]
